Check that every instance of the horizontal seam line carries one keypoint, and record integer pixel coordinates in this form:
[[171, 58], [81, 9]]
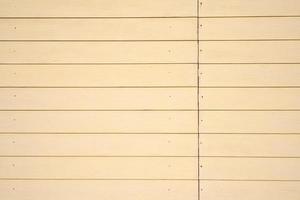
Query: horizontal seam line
[[158, 40], [146, 17], [155, 63], [150, 87], [138, 110], [144, 156]]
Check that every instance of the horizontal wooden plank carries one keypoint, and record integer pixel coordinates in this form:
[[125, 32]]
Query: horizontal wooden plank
[[250, 75], [99, 29], [249, 8], [242, 145], [98, 76], [98, 8], [99, 98], [149, 98], [249, 52], [249, 98], [97, 189], [98, 52], [250, 168], [232, 190], [98, 168], [99, 121], [249, 28], [98, 145], [249, 122]]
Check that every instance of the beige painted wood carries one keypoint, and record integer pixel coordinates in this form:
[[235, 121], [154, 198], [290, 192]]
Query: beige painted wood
[[149, 98], [98, 52], [250, 98], [250, 145], [250, 8], [249, 122], [283, 75], [99, 29], [250, 168], [249, 190], [99, 121], [98, 145], [99, 168], [98, 75], [98, 8], [250, 52], [93, 190], [249, 28], [99, 98]]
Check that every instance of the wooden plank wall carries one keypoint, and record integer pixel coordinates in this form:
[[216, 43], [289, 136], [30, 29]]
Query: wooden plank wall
[[140, 99]]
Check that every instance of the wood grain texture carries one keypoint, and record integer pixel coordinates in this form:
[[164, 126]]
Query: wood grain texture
[[95, 52], [98, 168], [268, 145], [250, 168], [250, 52], [93, 190], [251, 75], [98, 145], [249, 8], [150, 75], [98, 29], [96, 8], [249, 190], [99, 121], [100, 98], [249, 28]]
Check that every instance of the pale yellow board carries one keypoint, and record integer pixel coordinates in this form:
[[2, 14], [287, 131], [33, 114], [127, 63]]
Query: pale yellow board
[[249, 8], [99, 189], [255, 75], [99, 121], [250, 168], [272, 145], [99, 75], [249, 52], [249, 98], [98, 52], [98, 144], [148, 98], [250, 190], [99, 29], [249, 122], [249, 28], [99, 98], [98, 8], [99, 168]]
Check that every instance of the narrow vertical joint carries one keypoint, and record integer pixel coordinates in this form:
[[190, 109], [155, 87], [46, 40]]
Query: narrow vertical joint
[[198, 114]]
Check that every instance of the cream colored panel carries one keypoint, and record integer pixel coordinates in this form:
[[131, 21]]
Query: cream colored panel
[[97, 8], [249, 28], [98, 29], [97, 189], [98, 144], [249, 98], [249, 8], [98, 75], [99, 168], [243, 145], [99, 98], [249, 190], [250, 75], [249, 122], [250, 168], [98, 52], [99, 121], [250, 52]]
